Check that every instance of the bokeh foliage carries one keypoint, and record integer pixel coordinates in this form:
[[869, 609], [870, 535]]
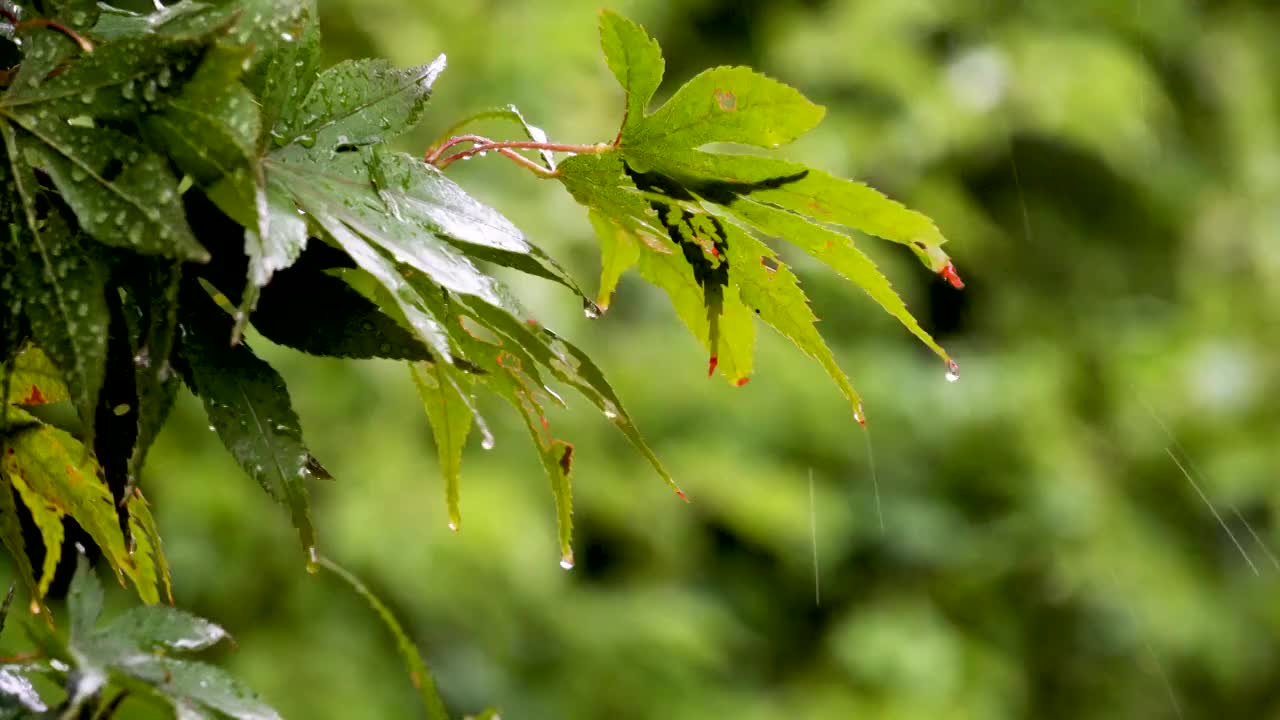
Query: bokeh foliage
[[1109, 170]]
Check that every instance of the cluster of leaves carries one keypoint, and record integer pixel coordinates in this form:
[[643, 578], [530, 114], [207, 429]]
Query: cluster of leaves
[[134, 657], [172, 178]]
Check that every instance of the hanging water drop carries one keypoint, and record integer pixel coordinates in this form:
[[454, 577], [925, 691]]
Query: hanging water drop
[[953, 371], [591, 310], [453, 526], [486, 442], [566, 561], [860, 416]]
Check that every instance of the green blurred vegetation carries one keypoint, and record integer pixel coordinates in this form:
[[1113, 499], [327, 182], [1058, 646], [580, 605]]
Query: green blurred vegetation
[[1109, 175]]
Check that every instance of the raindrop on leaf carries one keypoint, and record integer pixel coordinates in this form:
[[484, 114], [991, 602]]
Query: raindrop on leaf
[[953, 371]]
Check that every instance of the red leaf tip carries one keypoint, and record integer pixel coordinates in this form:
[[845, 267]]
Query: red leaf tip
[[742, 381], [949, 274], [711, 365]]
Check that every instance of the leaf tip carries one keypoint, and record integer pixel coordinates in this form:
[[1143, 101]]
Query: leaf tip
[[711, 365], [948, 273]]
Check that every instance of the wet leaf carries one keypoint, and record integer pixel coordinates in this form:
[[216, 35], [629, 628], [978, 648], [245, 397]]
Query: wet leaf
[[420, 194], [122, 193], [70, 320], [450, 416], [249, 407], [419, 675], [357, 103], [84, 601], [162, 628], [287, 58]]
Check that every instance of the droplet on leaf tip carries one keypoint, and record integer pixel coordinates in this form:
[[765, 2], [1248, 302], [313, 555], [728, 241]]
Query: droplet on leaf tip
[[953, 371], [486, 442], [592, 310], [566, 561], [860, 416], [453, 526]]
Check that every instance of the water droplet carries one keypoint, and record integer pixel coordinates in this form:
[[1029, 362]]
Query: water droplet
[[953, 371], [453, 526], [860, 416], [286, 37], [86, 97], [128, 90], [566, 561], [592, 310], [212, 428], [610, 415], [313, 560], [149, 91], [486, 442], [307, 141], [164, 77]]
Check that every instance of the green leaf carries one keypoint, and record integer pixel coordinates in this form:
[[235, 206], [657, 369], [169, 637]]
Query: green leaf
[[84, 601], [287, 59], [122, 193], [162, 628], [635, 60], [338, 194], [419, 194], [186, 681], [249, 407], [57, 476], [813, 193], [359, 102], [419, 675], [450, 416], [69, 319], [35, 380], [838, 252], [766, 284], [320, 314], [118, 80], [619, 251], [725, 104], [148, 554], [189, 17], [211, 128], [14, 542]]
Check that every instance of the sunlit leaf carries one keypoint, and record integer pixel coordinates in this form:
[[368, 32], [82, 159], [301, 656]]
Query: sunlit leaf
[[450, 416], [635, 60]]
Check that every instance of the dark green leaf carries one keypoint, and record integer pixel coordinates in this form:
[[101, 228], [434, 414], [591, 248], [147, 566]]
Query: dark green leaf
[[284, 74], [320, 314], [70, 319], [248, 405], [122, 193], [117, 80], [154, 294]]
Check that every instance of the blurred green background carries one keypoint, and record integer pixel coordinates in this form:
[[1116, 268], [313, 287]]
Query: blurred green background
[[1109, 174]]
